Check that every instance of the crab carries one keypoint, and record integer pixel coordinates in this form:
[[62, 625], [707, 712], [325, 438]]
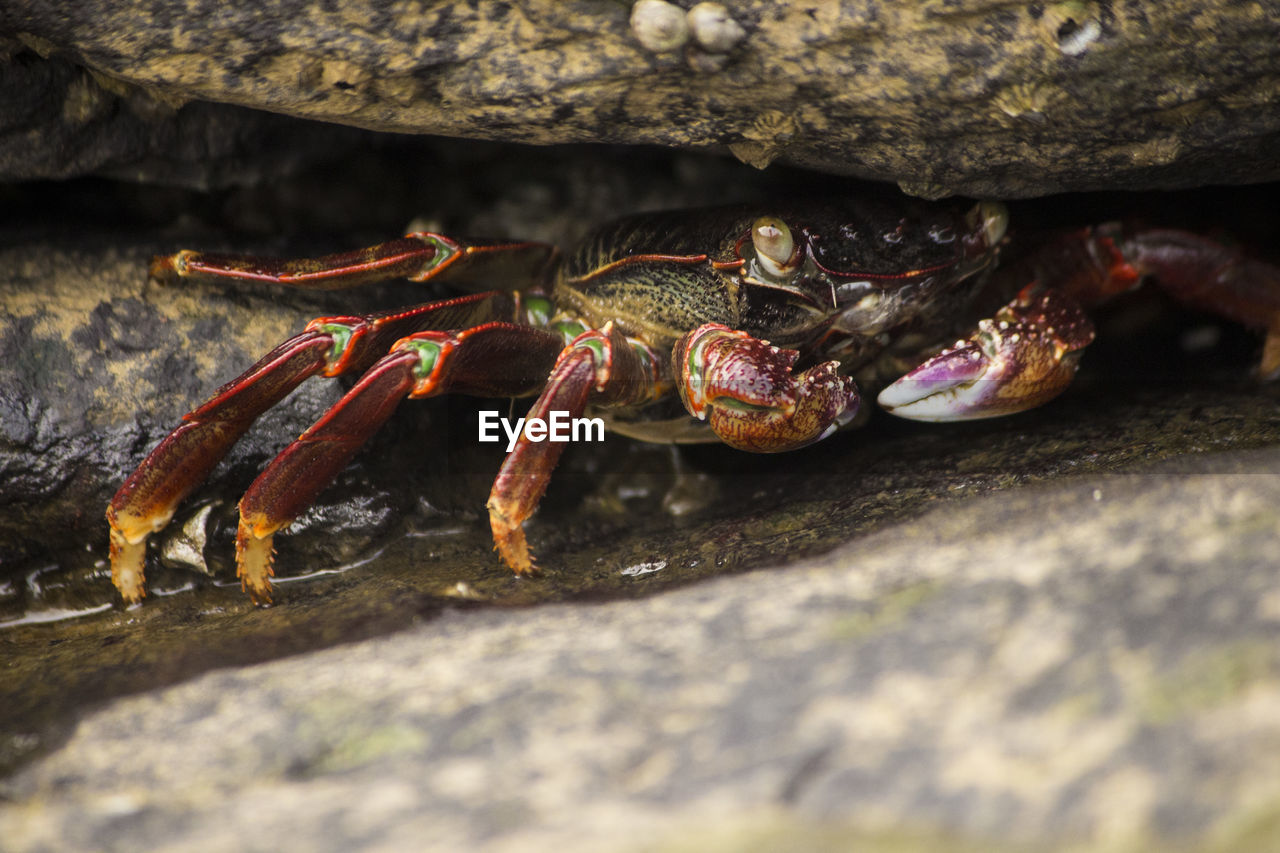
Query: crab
[[755, 327]]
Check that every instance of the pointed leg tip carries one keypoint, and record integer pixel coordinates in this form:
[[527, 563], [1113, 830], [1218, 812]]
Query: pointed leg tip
[[165, 269], [514, 551], [254, 556], [509, 542], [263, 596], [133, 597], [128, 561]]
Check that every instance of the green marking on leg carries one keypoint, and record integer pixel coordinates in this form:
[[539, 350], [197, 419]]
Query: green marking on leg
[[695, 362], [568, 329], [443, 250], [597, 348], [428, 356], [537, 310], [341, 334]]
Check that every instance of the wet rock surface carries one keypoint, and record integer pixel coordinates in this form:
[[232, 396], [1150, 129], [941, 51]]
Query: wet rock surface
[[1091, 662], [1054, 628], [977, 97]]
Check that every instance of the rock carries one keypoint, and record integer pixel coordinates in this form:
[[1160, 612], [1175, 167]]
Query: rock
[[60, 120], [1089, 662], [971, 97]]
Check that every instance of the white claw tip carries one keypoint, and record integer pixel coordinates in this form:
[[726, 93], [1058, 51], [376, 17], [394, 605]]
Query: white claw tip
[[921, 400]]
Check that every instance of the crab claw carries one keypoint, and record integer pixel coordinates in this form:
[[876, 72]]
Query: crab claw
[[1023, 357], [745, 389]]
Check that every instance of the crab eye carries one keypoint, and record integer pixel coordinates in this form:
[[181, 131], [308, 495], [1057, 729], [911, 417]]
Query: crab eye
[[993, 216], [774, 247]]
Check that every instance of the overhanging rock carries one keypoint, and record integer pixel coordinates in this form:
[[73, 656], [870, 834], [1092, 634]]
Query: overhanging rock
[[967, 96]]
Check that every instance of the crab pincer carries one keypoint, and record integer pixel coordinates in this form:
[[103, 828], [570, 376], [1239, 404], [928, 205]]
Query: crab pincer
[[1021, 358], [745, 389]]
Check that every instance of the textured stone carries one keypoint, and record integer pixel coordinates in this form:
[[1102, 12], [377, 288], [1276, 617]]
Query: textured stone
[[983, 97], [1091, 663], [60, 120]]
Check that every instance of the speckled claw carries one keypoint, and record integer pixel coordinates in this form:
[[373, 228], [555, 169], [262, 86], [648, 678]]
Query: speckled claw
[[745, 389], [1023, 357]]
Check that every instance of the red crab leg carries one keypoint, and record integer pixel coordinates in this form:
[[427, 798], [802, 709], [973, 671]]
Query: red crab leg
[[496, 360], [745, 389], [330, 345], [1095, 263], [418, 256], [597, 365]]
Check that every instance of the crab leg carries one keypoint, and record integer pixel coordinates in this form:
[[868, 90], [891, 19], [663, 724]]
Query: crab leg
[[744, 388], [329, 345], [599, 365], [496, 359], [1093, 264], [1199, 272], [418, 256]]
